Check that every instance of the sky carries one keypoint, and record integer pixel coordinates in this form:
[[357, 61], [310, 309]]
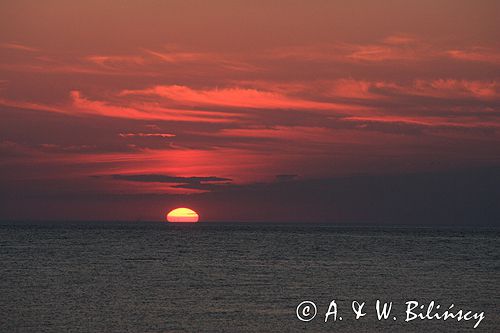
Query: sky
[[332, 111]]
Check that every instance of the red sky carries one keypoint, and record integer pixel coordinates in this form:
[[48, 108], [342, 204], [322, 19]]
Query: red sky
[[145, 102]]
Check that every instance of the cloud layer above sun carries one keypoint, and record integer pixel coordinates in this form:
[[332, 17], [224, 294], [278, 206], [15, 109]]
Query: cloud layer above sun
[[174, 97]]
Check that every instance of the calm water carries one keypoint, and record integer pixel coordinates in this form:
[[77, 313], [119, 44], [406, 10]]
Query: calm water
[[153, 277]]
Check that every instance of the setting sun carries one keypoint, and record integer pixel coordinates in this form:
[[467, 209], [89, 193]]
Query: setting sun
[[182, 215]]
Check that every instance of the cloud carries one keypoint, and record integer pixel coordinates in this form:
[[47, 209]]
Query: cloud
[[378, 53], [477, 54], [10, 149], [391, 48], [31, 106], [172, 54], [302, 134], [175, 56], [210, 187], [399, 47], [228, 97], [147, 135], [412, 126], [152, 178], [68, 69], [173, 59], [444, 89], [452, 88], [146, 111], [305, 114], [209, 183], [67, 148], [111, 60], [18, 46]]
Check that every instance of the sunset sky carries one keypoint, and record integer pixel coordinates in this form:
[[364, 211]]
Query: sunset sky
[[250, 110]]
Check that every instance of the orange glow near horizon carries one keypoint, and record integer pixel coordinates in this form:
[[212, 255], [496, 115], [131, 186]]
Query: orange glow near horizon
[[182, 215]]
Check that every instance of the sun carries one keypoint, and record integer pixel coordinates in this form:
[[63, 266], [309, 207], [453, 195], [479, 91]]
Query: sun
[[183, 215]]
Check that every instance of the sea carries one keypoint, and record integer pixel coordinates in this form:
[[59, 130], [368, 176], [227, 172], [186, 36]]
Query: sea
[[244, 277]]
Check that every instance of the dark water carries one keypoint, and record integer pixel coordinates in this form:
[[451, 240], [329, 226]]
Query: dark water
[[152, 277]]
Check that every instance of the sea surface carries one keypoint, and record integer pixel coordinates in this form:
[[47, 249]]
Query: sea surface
[[207, 277]]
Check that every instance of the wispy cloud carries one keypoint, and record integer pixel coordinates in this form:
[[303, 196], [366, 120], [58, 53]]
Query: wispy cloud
[[399, 48], [146, 111], [310, 109], [391, 48], [111, 60], [439, 88], [175, 56], [31, 105], [147, 135], [18, 46], [477, 54], [232, 97], [154, 178]]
